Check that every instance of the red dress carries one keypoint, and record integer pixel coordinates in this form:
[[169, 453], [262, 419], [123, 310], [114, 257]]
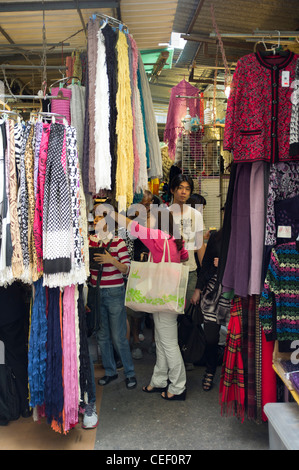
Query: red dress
[[257, 123]]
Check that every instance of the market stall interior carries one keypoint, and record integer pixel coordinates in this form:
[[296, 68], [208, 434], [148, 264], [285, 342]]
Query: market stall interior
[[133, 94]]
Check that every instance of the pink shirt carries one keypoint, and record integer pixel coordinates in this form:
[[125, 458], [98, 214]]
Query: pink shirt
[[153, 239]]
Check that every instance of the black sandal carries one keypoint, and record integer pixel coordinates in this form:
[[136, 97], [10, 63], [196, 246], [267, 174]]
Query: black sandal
[[154, 389], [207, 382]]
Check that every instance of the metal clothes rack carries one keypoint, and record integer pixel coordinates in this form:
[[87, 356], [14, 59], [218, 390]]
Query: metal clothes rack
[[33, 97], [111, 20], [10, 113]]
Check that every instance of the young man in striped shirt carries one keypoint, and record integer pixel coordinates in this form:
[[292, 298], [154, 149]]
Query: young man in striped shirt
[[113, 317]]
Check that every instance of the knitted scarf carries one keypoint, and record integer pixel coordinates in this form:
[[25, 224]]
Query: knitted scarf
[[93, 27], [102, 116], [134, 65], [77, 111], [56, 214], [111, 62], [124, 125], [155, 170]]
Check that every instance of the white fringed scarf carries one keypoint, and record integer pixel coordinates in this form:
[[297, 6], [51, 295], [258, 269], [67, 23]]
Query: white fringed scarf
[[102, 115]]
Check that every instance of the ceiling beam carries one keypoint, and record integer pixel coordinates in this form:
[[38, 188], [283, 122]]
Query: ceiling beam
[[61, 5], [80, 16], [195, 16]]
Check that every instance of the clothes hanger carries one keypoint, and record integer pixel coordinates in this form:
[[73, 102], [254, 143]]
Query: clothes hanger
[[62, 82], [53, 116], [11, 114], [275, 49]]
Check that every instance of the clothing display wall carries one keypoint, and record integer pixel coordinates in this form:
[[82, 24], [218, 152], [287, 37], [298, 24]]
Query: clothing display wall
[[44, 243], [121, 149], [259, 262]]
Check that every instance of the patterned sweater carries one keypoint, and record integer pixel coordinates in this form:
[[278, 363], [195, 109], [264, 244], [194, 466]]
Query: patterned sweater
[[259, 109], [279, 302]]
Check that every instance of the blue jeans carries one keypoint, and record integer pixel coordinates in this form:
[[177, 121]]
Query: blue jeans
[[113, 330]]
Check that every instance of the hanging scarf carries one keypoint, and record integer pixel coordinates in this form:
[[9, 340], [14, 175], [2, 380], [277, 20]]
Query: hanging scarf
[[37, 353], [38, 137], [54, 371], [17, 258], [18, 132], [140, 170], [6, 276], [56, 214], [93, 27], [249, 341], [111, 60], [232, 392], [85, 155], [78, 271], [29, 171], [155, 157], [39, 203], [23, 207], [70, 366], [124, 125], [85, 371], [77, 111], [102, 116]]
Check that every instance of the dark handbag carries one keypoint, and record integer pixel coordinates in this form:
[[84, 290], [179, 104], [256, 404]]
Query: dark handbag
[[191, 336], [9, 398], [213, 304], [93, 299]]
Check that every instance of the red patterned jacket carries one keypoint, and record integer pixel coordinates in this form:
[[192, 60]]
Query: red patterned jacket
[[257, 123]]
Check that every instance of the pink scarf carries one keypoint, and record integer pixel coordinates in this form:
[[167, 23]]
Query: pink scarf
[[39, 203]]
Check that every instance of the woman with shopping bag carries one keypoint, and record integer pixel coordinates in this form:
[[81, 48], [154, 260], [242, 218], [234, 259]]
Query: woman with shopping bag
[[169, 375]]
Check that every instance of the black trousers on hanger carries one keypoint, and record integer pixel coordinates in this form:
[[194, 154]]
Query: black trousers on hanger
[[14, 337]]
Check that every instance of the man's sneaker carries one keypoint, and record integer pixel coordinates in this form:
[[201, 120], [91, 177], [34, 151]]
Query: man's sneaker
[[131, 382], [90, 418]]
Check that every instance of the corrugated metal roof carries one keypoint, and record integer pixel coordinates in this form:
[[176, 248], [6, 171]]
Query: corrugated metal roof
[[149, 22]]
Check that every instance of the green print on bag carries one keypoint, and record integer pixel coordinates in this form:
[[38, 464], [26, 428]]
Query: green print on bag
[[135, 275], [134, 295]]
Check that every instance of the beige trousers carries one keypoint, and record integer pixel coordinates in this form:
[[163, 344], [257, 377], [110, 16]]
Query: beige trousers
[[169, 361]]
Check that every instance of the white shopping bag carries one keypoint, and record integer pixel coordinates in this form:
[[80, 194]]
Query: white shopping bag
[[157, 287]]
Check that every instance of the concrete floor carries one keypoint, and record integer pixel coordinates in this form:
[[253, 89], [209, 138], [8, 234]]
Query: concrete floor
[[134, 420]]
